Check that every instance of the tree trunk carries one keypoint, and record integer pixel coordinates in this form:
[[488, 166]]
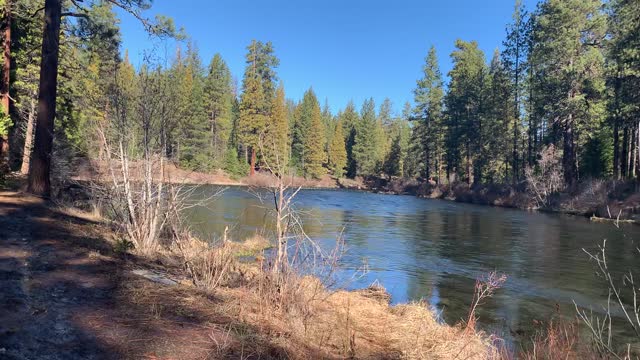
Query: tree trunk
[[6, 71], [624, 166], [616, 148], [28, 139], [637, 156], [569, 154], [40, 167], [252, 169]]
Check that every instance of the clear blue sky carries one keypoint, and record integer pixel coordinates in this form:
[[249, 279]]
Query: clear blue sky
[[344, 49]]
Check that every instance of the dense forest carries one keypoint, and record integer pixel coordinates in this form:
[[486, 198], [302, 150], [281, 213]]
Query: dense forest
[[563, 87]]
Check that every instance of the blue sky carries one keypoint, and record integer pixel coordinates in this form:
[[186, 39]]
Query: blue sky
[[344, 49]]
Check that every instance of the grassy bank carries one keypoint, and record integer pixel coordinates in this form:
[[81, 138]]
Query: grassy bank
[[203, 302]]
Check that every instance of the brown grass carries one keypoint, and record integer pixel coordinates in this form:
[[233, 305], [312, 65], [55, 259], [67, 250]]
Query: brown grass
[[559, 340], [301, 318]]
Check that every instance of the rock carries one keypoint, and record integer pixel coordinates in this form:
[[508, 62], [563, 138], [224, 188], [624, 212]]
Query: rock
[[155, 277]]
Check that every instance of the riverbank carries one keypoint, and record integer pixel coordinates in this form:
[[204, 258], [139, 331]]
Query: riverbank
[[598, 200], [70, 291]]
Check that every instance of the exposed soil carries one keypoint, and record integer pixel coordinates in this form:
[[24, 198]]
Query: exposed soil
[[64, 296]]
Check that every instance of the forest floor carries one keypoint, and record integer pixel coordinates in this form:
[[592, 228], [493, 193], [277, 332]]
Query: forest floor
[[67, 294]]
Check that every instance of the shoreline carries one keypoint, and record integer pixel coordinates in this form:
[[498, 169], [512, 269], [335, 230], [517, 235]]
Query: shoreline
[[108, 292]]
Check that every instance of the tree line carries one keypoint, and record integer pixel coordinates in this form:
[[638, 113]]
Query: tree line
[[567, 76]]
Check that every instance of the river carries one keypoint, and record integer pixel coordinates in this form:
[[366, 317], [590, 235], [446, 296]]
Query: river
[[434, 250]]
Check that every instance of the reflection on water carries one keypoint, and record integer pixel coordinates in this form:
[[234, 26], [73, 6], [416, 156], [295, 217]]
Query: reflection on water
[[434, 250]]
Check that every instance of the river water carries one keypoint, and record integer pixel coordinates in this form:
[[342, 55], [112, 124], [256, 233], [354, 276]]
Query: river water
[[434, 250]]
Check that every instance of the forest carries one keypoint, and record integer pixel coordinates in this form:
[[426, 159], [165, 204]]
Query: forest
[[563, 87]]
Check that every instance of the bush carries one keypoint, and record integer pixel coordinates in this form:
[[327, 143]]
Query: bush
[[234, 166]]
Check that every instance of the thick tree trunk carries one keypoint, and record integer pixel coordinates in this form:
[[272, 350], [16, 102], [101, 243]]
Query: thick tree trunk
[[28, 139], [40, 167], [252, 170]]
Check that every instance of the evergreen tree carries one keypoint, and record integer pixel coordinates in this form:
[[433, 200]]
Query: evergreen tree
[[194, 150], [275, 143], [302, 129], [314, 156], [256, 99], [429, 95], [219, 97], [514, 60], [349, 119], [394, 162], [568, 35], [338, 152], [499, 114], [464, 103], [624, 79], [366, 145]]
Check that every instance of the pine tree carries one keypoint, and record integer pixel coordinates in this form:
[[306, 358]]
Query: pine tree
[[366, 145], [514, 60], [303, 129], [338, 152], [568, 35], [429, 95], [349, 119], [394, 162], [499, 121], [194, 128], [275, 142], [464, 103], [314, 150], [219, 96], [624, 78], [254, 102]]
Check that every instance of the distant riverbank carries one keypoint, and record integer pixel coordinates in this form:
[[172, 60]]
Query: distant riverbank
[[595, 199]]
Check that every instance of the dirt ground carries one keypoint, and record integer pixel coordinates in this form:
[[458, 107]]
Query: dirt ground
[[65, 296]]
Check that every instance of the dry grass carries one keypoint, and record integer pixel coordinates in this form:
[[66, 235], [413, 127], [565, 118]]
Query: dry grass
[[559, 340], [309, 321]]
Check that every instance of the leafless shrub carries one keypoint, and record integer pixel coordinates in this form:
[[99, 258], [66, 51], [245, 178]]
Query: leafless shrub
[[623, 297], [557, 340], [140, 196], [546, 178], [485, 287]]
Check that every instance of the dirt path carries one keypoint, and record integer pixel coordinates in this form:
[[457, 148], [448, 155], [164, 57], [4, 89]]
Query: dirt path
[[65, 295], [47, 283]]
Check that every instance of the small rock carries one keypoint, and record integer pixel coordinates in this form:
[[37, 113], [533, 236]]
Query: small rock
[[155, 277]]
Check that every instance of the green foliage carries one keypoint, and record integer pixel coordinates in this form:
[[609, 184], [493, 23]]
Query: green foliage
[[349, 119], [258, 94], [5, 123], [394, 162], [337, 152], [233, 166], [367, 141], [275, 141], [428, 115], [566, 37], [465, 105], [218, 97], [123, 246], [314, 154]]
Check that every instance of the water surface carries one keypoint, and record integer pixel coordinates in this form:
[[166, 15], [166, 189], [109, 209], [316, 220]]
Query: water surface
[[434, 250]]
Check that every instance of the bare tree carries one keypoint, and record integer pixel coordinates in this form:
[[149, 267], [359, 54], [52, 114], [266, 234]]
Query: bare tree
[[138, 196], [546, 179]]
